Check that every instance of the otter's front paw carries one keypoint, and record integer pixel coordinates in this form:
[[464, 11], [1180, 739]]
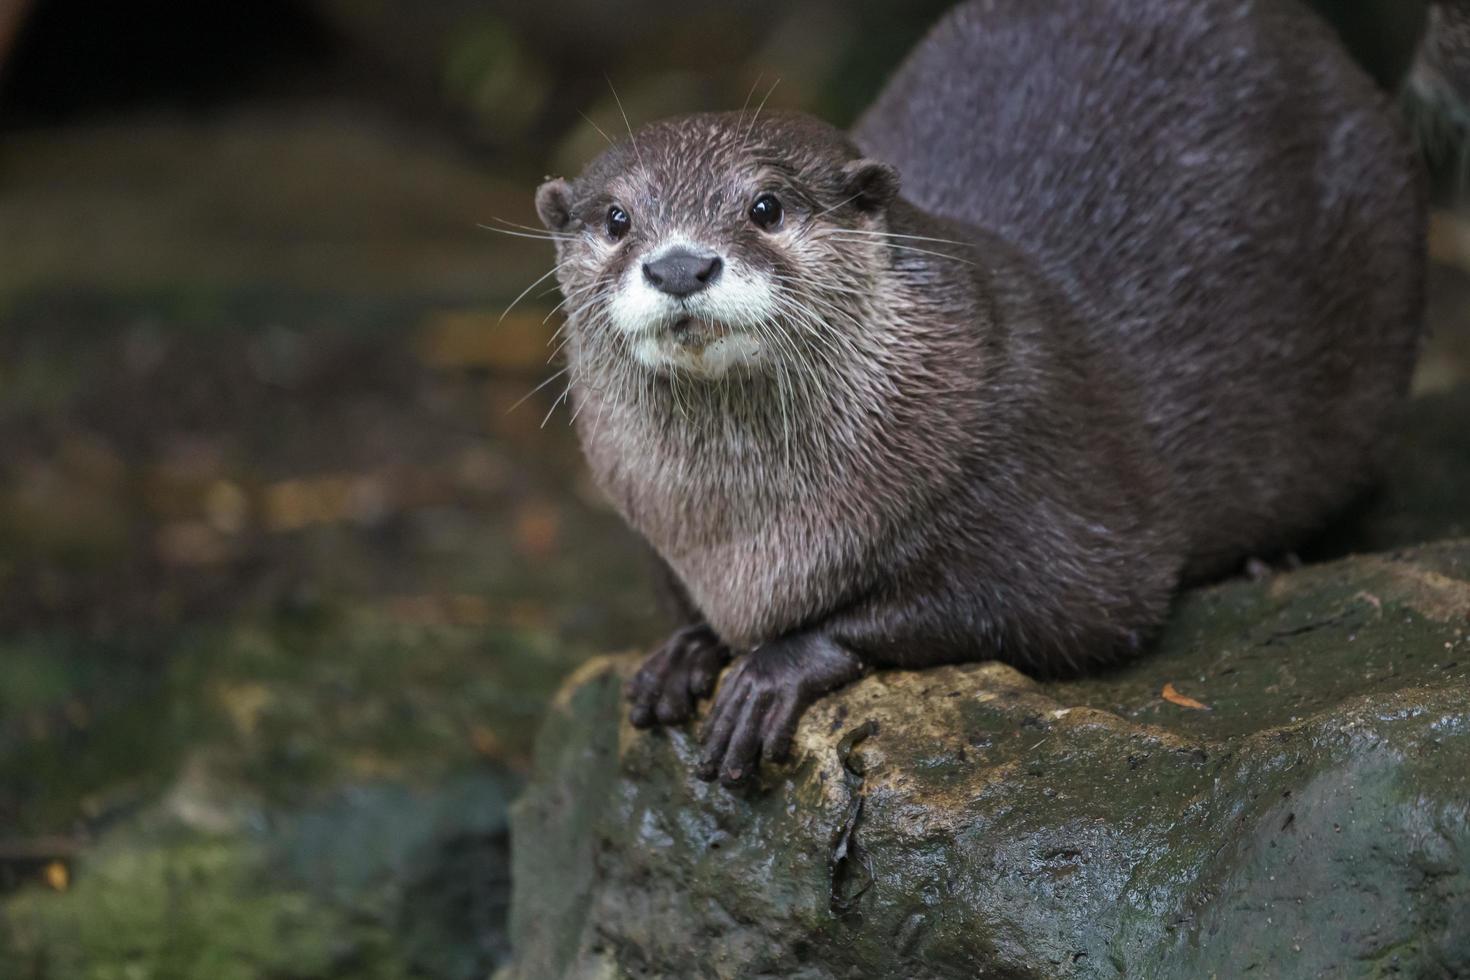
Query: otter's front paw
[[762, 699], [675, 676]]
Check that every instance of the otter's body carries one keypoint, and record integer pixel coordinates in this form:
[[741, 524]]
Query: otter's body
[[1150, 293], [1228, 205]]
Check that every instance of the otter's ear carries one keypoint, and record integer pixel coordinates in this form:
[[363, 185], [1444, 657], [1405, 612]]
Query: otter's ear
[[554, 204], [871, 185]]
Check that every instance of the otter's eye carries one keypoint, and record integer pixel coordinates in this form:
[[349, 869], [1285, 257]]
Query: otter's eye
[[766, 212], [618, 222]]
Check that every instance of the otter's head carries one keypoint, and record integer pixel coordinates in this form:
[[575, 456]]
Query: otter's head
[[718, 242]]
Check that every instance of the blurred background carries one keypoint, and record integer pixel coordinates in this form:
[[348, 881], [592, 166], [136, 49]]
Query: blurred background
[[289, 561]]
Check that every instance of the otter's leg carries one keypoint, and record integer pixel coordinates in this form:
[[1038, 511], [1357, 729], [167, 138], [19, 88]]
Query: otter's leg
[[675, 676], [763, 697], [682, 671]]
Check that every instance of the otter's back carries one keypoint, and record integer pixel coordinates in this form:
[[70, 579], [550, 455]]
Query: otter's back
[[1225, 198]]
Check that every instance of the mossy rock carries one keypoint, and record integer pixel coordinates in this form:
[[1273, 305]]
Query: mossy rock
[[1311, 819]]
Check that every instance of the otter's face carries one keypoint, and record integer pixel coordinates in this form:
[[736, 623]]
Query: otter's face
[[707, 245]]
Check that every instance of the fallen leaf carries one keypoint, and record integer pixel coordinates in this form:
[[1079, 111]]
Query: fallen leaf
[[1371, 600], [57, 876], [1174, 697]]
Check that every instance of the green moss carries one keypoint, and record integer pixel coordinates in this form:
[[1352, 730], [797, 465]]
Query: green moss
[[184, 909], [331, 794]]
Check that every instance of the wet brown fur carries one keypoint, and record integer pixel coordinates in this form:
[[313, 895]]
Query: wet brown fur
[[1178, 294]]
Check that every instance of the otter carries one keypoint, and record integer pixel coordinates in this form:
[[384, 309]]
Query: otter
[[1437, 96], [1095, 300]]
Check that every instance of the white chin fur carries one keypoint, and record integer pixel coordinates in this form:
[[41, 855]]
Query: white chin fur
[[740, 300], [713, 360]]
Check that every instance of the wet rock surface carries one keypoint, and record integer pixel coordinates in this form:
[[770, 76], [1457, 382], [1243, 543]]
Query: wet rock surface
[[1296, 803]]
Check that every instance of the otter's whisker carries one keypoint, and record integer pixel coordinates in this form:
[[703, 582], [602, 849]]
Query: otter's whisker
[[909, 248], [558, 350], [526, 397], [540, 279], [535, 229], [596, 127], [623, 112], [827, 287], [894, 234], [570, 315], [748, 96], [520, 234], [782, 382], [753, 119], [827, 211], [824, 345], [577, 411], [559, 399]]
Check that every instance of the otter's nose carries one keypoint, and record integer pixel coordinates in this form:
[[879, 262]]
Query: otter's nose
[[680, 272]]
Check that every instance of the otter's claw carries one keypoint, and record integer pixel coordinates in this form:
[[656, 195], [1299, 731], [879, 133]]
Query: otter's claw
[[674, 677], [762, 699]]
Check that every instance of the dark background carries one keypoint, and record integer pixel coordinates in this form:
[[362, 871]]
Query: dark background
[[286, 572]]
